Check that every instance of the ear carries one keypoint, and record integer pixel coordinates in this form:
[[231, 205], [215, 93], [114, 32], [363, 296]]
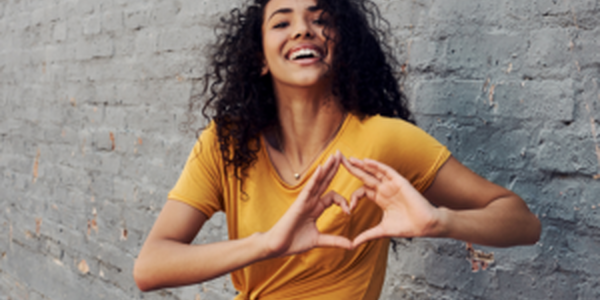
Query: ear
[[265, 69]]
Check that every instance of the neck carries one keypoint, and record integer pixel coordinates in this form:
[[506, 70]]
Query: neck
[[308, 119]]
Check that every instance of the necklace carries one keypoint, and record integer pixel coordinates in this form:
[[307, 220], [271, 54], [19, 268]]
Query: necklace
[[298, 175]]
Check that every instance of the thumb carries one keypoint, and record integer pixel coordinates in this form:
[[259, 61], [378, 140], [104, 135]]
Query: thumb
[[371, 234], [328, 240]]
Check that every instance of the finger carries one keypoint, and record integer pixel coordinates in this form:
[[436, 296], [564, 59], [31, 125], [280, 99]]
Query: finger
[[375, 172], [329, 174], [358, 194], [328, 162], [356, 170], [330, 165], [340, 156], [360, 164], [371, 193], [378, 167], [371, 234], [336, 157], [311, 186], [333, 197], [328, 240], [352, 162], [347, 164]]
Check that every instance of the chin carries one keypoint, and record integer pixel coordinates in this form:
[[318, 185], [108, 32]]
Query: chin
[[313, 80]]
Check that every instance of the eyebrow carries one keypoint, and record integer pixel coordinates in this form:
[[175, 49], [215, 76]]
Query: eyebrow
[[289, 10]]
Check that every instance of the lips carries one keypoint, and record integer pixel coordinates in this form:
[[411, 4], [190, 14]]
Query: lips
[[305, 52]]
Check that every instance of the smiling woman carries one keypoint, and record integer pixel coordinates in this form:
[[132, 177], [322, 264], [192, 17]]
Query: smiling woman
[[313, 158]]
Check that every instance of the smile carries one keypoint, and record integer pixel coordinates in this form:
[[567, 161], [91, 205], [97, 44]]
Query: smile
[[304, 52]]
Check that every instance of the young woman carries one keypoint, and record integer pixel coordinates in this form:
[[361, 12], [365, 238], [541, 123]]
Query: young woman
[[312, 157]]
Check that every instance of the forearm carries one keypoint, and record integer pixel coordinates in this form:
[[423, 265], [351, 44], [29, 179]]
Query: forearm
[[167, 263], [503, 222]]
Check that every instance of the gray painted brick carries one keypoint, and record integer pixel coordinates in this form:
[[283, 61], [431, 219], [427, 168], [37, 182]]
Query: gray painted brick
[[60, 32], [590, 206], [137, 19], [182, 39], [566, 193], [566, 152], [165, 12], [447, 97], [112, 20], [477, 53], [92, 25], [146, 41], [549, 54], [124, 45], [586, 44], [81, 8], [550, 100], [424, 53], [550, 7]]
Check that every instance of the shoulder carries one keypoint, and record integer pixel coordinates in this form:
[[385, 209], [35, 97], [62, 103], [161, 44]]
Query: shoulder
[[208, 138], [207, 150], [403, 146], [209, 133], [201, 181], [389, 129]]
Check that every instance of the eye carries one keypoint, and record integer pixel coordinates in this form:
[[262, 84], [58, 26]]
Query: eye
[[320, 21], [281, 24]]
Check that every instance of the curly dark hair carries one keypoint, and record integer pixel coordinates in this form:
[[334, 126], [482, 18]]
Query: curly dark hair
[[241, 102]]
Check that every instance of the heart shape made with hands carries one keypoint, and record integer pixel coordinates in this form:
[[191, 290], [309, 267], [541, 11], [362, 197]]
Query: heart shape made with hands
[[406, 213]]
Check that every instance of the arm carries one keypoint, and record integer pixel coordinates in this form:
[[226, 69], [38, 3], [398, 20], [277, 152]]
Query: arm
[[469, 207], [167, 259], [475, 210]]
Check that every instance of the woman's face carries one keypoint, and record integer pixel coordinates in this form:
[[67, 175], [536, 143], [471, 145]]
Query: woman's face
[[296, 51]]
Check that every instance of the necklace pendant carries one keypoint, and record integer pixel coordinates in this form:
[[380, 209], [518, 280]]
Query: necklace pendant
[[297, 176]]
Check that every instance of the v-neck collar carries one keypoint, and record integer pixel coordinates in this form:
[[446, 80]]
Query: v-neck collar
[[310, 170]]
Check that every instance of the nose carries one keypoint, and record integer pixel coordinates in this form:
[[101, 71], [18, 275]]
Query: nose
[[302, 29]]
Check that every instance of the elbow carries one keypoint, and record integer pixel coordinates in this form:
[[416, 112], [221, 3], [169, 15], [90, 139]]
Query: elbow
[[527, 231], [142, 278], [528, 226], [532, 229]]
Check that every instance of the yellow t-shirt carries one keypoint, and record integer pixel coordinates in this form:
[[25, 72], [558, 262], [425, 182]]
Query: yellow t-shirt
[[323, 273]]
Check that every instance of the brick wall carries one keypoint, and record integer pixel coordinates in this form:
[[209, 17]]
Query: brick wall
[[92, 95]]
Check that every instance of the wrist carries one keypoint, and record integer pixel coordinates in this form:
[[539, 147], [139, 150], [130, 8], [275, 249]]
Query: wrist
[[261, 244], [442, 223]]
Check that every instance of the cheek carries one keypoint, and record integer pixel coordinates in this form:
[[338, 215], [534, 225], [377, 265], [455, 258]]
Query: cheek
[[272, 47], [268, 55]]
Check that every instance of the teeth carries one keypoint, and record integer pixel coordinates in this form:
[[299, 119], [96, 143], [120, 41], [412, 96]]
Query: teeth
[[304, 52]]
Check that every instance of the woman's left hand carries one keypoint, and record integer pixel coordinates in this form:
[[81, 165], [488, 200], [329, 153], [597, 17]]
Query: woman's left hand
[[406, 213]]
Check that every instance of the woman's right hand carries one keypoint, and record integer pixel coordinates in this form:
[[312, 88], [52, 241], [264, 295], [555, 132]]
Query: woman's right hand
[[297, 231]]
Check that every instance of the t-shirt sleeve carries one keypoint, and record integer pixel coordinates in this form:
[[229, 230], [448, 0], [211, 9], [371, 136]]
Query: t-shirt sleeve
[[416, 155], [200, 183]]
